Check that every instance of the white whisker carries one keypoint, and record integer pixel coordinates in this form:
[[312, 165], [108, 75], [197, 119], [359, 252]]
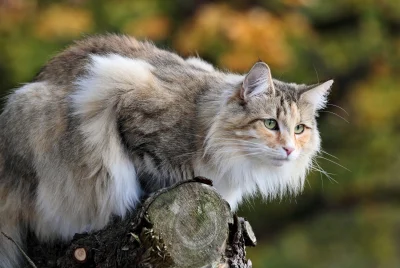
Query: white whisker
[[327, 174], [309, 185], [344, 119], [337, 106], [333, 162], [329, 154], [322, 171]]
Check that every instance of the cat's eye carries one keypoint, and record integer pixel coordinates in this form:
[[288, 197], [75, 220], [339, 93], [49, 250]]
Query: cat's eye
[[271, 124], [299, 129]]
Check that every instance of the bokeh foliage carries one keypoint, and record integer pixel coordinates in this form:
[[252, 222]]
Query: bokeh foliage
[[350, 220]]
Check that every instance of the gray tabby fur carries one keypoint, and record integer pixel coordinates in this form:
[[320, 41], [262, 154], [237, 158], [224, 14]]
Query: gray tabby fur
[[111, 118]]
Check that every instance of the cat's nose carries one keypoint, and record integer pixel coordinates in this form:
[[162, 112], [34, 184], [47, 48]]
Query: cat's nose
[[288, 150]]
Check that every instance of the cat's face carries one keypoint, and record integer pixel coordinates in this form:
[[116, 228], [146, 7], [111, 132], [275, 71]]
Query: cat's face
[[271, 122], [273, 129]]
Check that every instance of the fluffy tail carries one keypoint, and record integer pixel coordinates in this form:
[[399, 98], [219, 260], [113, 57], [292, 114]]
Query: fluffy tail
[[10, 255]]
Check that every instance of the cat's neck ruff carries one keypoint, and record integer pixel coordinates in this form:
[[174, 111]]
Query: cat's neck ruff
[[241, 177]]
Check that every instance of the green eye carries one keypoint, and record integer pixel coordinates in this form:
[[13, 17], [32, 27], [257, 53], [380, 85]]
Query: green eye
[[299, 129], [271, 124]]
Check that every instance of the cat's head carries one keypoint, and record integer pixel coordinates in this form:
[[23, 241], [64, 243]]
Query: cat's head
[[270, 127]]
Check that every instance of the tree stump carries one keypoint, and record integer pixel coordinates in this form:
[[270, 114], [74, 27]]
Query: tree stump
[[185, 225]]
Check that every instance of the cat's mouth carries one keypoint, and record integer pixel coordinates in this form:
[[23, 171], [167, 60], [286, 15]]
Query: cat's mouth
[[279, 161]]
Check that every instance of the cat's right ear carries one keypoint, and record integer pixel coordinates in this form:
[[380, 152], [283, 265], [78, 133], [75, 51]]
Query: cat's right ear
[[316, 95], [257, 81]]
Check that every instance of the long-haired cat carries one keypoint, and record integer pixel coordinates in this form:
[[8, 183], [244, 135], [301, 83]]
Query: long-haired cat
[[111, 118]]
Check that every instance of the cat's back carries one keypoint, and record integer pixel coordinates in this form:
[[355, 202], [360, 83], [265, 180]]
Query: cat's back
[[72, 63]]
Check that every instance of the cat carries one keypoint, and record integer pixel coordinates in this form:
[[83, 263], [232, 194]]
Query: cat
[[111, 119]]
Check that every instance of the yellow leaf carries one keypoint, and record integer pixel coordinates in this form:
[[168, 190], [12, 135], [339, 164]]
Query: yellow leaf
[[63, 21], [240, 37], [155, 27]]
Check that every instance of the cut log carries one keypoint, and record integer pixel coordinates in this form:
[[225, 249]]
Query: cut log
[[185, 225], [80, 255]]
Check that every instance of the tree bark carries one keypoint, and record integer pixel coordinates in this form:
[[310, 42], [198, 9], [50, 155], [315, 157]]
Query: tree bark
[[185, 225]]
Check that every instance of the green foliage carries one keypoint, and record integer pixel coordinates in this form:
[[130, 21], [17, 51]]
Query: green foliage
[[347, 223], [346, 238]]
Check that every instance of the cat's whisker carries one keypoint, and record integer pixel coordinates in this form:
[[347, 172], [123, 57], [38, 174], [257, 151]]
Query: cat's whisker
[[320, 176], [344, 119], [309, 185], [327, 159], [331, 155], [326, 174], [322, 171], [337, 106], [314, 162], [320, 168]]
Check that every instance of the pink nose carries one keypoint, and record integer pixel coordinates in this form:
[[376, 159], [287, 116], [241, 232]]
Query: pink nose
[[288, 150]]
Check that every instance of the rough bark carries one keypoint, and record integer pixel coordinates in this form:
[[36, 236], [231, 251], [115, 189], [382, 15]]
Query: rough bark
[[185, 225]]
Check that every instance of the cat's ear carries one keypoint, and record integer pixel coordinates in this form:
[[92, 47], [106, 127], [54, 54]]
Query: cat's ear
[[316, 95], [257, 81]]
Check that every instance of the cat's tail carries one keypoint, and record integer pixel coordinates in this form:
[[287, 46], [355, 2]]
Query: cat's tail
[[10, 255]]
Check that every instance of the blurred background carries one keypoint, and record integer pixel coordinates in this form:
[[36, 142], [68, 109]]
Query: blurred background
[[348, 216]]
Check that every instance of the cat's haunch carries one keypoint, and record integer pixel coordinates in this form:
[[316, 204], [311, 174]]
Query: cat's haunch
[[111, 118]]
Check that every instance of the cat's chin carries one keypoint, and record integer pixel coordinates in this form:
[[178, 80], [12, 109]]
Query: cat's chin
[[279, 162]]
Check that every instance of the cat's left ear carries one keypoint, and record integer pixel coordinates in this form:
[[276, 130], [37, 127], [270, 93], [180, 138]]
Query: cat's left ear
[[257, 81], [316, 95]]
